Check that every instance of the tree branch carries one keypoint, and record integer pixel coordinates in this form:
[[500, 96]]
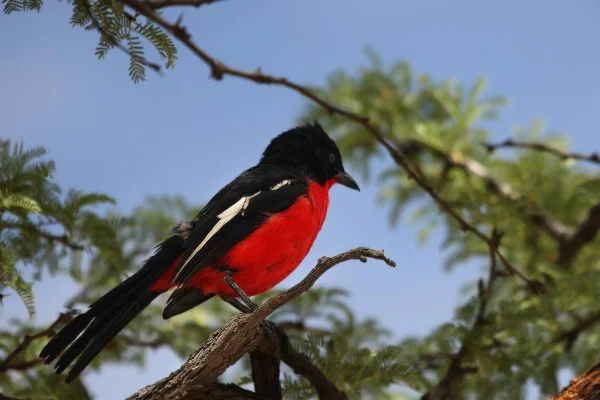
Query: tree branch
[[302, 366], [451, 385], [157, 4], [584, 387], [116, 42], [265, 363], [219, 70], [38, 231], [243, 334], [571, 335], [50, 331], [593, 158], [554, 228], [587, 231]]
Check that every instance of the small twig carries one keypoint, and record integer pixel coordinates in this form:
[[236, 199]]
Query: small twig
[[117, 43], [48, 332], [5, 397], [38, 231], [151, 344], [324, 264], [157, 4], [593, 158]]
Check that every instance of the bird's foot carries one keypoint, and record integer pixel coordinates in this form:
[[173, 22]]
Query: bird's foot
[[246, 305]]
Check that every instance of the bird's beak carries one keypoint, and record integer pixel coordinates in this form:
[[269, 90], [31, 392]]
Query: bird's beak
[[343, 178]]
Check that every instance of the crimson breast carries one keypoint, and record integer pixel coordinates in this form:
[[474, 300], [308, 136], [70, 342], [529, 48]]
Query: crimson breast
[[273, 251]]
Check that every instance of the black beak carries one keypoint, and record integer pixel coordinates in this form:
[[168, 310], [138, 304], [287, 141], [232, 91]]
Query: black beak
[[345, 179]]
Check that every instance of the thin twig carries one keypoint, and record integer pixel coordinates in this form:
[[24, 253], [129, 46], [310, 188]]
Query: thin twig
[[157, 4], [39, 232], [592, 158], [116, 42], [219, 70], [48, 332], [323, 265], [5, 397]]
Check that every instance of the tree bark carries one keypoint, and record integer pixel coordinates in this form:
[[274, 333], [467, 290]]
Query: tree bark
[[585, 387]]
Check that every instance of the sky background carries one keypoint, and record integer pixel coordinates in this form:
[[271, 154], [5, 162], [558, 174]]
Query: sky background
[[187, 134]]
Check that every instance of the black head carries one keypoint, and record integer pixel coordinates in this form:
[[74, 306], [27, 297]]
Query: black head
[[309, 147]]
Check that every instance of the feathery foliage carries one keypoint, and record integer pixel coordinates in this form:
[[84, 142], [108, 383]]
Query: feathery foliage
[[440, 129], [117, 28]]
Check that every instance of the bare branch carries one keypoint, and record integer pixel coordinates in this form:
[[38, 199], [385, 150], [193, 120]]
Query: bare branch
[[243, 334], [592, 158]]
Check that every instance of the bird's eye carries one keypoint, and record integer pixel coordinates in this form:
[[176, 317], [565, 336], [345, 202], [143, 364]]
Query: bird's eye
[[331, 157]]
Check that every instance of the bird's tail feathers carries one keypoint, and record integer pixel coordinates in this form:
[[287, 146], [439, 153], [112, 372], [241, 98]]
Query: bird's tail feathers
[[88, 333]]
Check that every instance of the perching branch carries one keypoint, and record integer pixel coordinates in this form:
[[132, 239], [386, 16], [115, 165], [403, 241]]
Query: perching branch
[[593, 158], [218, 70], [246, 333]]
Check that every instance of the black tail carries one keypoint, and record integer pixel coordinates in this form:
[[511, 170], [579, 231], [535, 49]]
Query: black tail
[[88, 333]]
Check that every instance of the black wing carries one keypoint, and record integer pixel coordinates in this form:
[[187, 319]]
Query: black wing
[[234, 213]]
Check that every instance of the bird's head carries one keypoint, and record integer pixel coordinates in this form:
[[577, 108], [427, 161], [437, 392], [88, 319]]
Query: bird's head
[[309, 147]]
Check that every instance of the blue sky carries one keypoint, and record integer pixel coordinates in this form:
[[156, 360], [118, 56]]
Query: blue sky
[[186, 134]]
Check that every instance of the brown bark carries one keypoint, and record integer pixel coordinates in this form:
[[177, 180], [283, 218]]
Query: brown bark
[[585, 387]]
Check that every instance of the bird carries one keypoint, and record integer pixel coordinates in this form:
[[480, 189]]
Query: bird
[[248, 238]]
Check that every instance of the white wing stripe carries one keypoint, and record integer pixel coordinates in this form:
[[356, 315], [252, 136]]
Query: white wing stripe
[[239, 207], [281, 184], [226, 216]]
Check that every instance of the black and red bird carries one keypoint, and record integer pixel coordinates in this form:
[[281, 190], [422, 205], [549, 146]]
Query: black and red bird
[[256, 230]]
